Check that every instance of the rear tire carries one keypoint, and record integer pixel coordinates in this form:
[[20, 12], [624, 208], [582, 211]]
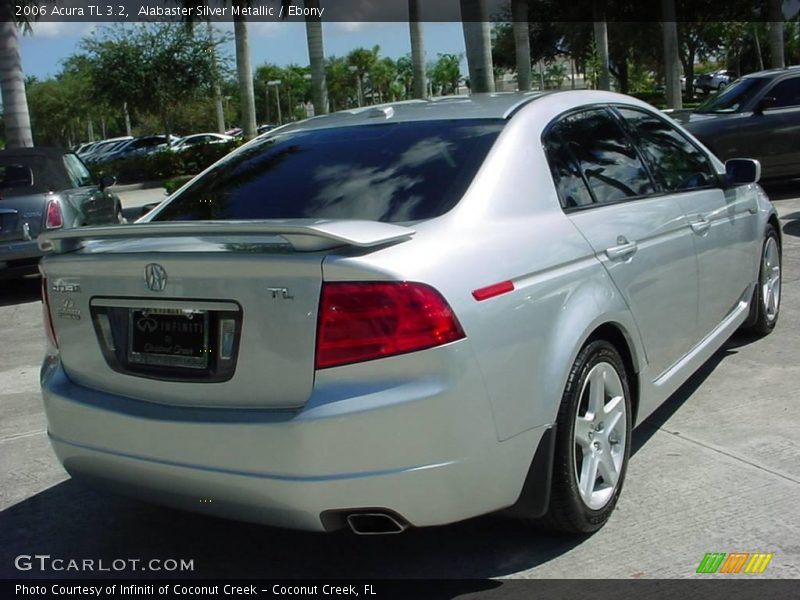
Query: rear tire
[[592, 442], [766, 302]]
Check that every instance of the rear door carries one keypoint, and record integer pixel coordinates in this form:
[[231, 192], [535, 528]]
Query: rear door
[[723, 222], [780, 127], [639, 236]]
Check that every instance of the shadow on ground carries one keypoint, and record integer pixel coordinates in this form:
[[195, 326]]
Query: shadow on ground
[[20, 291], [71, 520], [792, 226], [782, 190]]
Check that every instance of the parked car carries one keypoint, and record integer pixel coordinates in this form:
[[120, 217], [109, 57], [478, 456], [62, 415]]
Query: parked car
[[197, 139], [758, 117], [46, 189], [407, 315], [715, 81], [138, 147], [99, 148]]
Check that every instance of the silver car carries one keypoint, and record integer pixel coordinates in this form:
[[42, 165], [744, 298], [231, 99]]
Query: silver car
[[46, 189], [407, 315]]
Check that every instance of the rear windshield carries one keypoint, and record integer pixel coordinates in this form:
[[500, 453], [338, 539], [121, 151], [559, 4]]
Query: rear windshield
[[44, 173], [385, 172]]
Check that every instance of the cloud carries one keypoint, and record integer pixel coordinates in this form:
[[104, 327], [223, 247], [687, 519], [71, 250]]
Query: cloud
[[53, 30]]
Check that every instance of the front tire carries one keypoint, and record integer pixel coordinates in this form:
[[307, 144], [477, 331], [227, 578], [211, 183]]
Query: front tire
[[766, 302], [593, 441]]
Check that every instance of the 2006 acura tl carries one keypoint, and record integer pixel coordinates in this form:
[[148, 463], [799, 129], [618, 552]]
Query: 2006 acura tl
[[407, 315]]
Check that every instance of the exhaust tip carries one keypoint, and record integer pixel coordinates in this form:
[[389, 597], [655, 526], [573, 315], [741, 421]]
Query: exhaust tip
[[364, 521], [376, 523]]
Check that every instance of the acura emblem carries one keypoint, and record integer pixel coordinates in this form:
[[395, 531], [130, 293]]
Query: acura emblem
[[155, 276]]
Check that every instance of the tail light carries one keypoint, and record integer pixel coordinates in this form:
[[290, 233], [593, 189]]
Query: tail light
[[55, 217], [368, 320], [46, 317]]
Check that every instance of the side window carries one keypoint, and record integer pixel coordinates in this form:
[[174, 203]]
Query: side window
[[676, 163], [572, 190], [605, 156], [786, 93], [79, 175]]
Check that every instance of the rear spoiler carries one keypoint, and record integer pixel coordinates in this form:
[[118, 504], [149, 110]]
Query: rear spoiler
[[304, 235]]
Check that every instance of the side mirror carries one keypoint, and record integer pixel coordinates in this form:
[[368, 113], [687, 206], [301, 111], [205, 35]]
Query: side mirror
[[741, 171], [765, 103], [107, 181]]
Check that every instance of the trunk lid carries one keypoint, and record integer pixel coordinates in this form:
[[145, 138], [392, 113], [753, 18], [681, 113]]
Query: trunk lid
[[196, 314], [21, 217]]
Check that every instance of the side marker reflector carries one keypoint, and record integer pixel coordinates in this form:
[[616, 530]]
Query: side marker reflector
[[490, 291]]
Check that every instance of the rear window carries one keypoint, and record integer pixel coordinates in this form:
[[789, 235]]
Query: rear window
[[46, 173], [385, 172]]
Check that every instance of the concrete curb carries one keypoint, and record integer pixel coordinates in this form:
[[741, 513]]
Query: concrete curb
[[130, 187]]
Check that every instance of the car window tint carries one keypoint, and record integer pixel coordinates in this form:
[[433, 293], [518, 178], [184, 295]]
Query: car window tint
[[79, 175], [676, 163], [786, 93], [384, 172], [606, 157], [572, 190]]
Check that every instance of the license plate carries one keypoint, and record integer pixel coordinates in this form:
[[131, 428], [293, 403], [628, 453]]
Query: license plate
[[169, 338]]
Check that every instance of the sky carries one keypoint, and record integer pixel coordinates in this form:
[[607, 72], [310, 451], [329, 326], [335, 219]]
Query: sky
[[279, 43]]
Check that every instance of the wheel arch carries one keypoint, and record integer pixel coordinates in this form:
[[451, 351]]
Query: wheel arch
[[616, 335]]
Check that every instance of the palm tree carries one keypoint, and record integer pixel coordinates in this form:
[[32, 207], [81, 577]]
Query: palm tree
[[417, 50], [522, 43], [12, 83], [478, 42], [216, 87], [601, 44], [316, 58], [361, 61], [672, 65], [245, 73], [776, 50]]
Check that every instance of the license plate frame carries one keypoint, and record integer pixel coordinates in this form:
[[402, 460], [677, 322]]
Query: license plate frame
[[162, 354]]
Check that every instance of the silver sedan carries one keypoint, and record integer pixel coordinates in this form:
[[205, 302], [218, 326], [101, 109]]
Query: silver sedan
[[407, 315]]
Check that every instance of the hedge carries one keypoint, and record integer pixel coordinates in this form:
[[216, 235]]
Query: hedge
[[164, 165]]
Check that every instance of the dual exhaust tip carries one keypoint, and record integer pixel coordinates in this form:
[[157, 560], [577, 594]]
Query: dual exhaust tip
[[365, 522]]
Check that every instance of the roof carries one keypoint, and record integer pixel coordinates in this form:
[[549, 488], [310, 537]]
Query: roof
[[45, 151], [772, 73], [500, 105]]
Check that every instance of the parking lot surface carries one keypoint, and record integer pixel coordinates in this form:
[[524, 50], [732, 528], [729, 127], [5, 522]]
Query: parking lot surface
[[715, 469]]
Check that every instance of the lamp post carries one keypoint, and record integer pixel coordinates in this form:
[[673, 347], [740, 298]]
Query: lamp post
[[276, 84]]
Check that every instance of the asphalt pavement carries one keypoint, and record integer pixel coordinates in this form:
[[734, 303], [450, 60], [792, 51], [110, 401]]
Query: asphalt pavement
[[715, 469]]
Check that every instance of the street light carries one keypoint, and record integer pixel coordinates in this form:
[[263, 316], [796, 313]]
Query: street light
[[276, 84]]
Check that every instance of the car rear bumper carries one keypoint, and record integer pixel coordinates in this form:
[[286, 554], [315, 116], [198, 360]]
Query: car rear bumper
[[424, 451], [19, 258]]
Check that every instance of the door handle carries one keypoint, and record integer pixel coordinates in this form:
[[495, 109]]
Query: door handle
[[701, 225], [623, 250]]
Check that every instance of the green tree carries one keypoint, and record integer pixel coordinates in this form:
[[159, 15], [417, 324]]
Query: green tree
[[342, 83], [361, 61], [164, 65], [446, 73]]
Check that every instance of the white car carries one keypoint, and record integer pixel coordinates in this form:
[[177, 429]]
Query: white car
[[198, 139]]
